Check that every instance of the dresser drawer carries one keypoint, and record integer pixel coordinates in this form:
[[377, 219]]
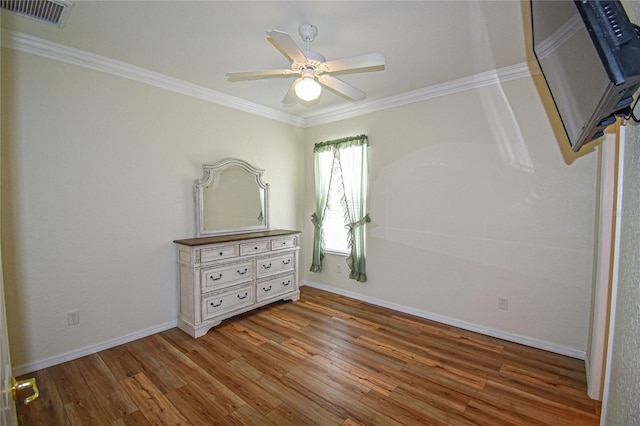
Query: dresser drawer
[[275, 287], [275, 265], [219, 303], [218, 253], [254, 248], [283, 243], [225, 276], [222, 276]]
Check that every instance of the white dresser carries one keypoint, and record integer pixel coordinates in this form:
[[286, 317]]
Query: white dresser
[[227, 275]]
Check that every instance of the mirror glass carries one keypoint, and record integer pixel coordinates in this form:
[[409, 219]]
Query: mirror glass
[[231, 198]]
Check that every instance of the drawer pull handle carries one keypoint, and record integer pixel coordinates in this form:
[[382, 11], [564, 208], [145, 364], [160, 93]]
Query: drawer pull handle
[[266, 289], [242, 272], [221, 253], [265, 266], [216, 279], [243, 297], [255, 248], [286, 284], [214, 305], [284, 243], [286, 262]]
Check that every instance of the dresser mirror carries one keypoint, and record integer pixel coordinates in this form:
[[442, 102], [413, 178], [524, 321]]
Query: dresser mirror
[[231, 198]]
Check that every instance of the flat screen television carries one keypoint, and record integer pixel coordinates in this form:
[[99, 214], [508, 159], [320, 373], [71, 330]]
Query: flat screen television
[[589, 54]]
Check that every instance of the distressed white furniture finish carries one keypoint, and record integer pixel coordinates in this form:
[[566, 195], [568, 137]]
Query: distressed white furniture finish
[[227, 275]]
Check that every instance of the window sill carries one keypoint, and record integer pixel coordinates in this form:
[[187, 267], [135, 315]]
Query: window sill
[[336, 252]]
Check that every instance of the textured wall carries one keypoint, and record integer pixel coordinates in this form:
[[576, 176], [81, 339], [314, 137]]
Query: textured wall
[[623, 399], [624, 393]]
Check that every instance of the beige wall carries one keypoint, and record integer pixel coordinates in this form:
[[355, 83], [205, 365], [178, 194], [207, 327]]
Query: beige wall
[[471, 200], [97, 183]]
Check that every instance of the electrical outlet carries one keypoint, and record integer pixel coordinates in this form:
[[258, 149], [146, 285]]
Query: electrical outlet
[[339, 268], [503, 303], [73, 317]]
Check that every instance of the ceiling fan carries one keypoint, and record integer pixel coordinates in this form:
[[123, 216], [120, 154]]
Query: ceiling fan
[[312, 69]]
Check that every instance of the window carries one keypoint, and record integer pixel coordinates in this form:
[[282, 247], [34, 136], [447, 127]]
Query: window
[[334, 231], [341, 178]]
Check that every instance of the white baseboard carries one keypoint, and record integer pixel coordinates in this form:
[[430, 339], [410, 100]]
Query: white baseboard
[[510, 337], [88, 350]]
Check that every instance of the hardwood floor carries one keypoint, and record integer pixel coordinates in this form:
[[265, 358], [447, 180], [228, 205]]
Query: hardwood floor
[[326, 360]]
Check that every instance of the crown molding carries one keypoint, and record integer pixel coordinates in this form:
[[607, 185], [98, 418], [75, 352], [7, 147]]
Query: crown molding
[[59, 52], [559, 37], [448, 88]]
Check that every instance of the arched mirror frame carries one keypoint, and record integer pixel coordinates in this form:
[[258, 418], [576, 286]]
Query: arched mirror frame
[[210, 172]]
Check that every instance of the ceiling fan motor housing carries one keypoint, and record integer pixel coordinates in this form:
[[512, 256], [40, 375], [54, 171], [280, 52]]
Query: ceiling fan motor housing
[[313, 56]]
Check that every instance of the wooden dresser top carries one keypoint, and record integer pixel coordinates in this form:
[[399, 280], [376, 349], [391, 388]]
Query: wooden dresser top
[[233, 237]]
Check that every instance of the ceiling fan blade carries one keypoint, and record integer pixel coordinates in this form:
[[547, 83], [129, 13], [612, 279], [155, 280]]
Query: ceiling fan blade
[[362, 63], [285, 44], [341, 87], [253, 75], [291, 98]]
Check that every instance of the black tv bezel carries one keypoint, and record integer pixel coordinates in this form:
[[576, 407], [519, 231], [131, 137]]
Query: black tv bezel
[[621, 63]]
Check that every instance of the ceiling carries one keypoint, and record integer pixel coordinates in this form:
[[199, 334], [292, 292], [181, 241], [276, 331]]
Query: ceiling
[[425, 43]]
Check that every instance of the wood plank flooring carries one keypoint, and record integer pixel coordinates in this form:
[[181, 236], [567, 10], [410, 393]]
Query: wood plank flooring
[[324, 360]]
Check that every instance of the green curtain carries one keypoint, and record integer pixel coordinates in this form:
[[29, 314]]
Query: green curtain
[[355, 202], [321, 157], [345, 154]]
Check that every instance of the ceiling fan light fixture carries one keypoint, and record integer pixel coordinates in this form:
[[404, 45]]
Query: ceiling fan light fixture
[[313, 69], [308, 89]]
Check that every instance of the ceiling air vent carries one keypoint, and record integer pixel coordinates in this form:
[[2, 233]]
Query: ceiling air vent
[[50, 11]]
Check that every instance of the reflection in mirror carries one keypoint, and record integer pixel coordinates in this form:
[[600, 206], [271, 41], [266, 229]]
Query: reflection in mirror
[[231, 198]]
